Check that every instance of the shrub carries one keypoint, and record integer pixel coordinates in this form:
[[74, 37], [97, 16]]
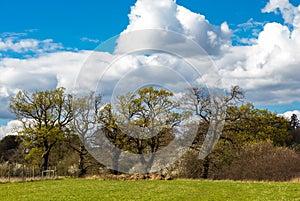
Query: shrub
[[263, 161]]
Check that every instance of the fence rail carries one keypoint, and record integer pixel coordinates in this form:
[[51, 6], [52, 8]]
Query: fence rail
[[21, 172]]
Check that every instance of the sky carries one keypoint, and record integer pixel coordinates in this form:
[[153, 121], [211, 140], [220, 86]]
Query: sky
[[254, 44]]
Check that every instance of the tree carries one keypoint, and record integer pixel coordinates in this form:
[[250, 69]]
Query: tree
[[141, 122], [251, 125], [86, 115], [294, 121], [8, 146], [211, 109], [114, 134], [46, 116], [295, 132], [84, 162], [247, 125]]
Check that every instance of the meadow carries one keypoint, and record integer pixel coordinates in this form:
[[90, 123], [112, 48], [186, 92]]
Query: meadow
[[93, 189]]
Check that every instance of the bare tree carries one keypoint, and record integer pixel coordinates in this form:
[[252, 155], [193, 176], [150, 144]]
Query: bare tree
[[86, 114], [211, 109]]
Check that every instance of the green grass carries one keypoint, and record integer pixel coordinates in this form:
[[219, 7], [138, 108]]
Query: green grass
[[90, 189]]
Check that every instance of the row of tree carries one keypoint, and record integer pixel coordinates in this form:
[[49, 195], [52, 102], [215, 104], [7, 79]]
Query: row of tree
[[59, 127]]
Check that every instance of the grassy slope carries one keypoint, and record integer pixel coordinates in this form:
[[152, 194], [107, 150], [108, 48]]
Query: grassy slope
[[84, 189]]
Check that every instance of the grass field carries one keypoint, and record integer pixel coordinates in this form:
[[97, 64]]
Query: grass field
[[91, 189]]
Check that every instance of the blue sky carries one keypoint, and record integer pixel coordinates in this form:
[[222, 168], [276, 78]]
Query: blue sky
[[66, 21], [69, 21], [37, 36]]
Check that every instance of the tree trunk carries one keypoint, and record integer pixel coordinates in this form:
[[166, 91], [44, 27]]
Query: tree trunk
[[46, 155], [44, 166], [81, 165], [205, 166], [115, 161], [150, 162]]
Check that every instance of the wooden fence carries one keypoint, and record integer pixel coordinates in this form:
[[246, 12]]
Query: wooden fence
[[21, 172]]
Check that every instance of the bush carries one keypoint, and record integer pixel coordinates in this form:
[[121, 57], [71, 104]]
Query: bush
[[263, 161], [189, 166]]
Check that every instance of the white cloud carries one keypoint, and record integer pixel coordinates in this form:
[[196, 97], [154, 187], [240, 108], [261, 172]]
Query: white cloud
[[86, 39], [147, 14], [290, 13], [197, 27], [288, 114], [28, 45], [11, 128], [264, 66], [12, 35], [247, 33], [267, 69], [167, 15], [48, 71], [21, 44]]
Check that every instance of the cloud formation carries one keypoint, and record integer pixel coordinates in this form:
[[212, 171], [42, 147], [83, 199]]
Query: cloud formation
[[167, 15], [264, 65], [290, 13], [47, 71], [10, 129], [266, 69], [289, 114], [18, 43]]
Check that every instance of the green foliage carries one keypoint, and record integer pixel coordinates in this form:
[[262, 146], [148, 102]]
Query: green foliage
[[140, 122], [88, 189], [110, 127], [249, 125], [149, 117], [46, 116], [246, 125]]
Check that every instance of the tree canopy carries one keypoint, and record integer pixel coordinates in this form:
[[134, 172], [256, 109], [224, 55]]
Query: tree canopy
[[45, 116]]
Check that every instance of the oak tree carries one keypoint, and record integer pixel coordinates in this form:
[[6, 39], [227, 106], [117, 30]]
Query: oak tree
[[46, 117]]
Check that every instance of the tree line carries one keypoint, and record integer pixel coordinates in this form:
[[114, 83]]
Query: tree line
[[58, 129]]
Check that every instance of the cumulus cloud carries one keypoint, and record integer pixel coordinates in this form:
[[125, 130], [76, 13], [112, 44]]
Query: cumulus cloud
[[48, 71], [45, 72], [28, 45], [288, 114], [290, 13], [267, 68], [167, 15], [60, 68], [264, 65], [10, 129]]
